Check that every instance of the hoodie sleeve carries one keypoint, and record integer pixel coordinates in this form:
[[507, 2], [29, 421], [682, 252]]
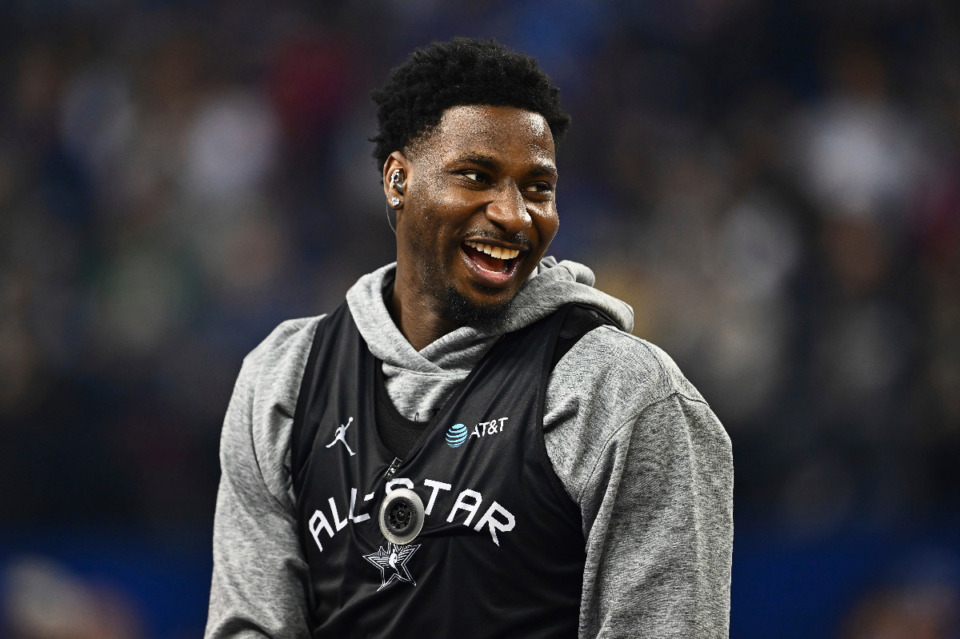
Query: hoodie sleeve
[[651, 467], [259, 573]]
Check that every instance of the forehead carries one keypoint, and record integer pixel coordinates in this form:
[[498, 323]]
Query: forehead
[[506, 132]]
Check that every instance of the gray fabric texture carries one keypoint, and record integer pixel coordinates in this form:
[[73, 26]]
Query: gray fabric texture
[[634, 443]]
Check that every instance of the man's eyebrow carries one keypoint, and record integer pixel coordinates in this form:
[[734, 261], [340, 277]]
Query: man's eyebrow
[[486, 161], [490, 162], [544, 169]]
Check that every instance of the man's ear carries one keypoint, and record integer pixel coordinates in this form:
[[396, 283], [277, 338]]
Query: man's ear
[[394, 179]]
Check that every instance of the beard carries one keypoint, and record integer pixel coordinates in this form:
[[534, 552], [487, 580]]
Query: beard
[[466, 313]]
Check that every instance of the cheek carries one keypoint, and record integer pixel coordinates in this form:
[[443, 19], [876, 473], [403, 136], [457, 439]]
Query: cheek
[[431, 198], [548, 225], [430, 231]]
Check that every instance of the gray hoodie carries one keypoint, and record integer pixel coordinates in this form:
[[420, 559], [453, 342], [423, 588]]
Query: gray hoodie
[[634, 443]]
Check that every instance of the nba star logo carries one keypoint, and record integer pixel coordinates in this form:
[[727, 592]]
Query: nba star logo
[[341, 436], [392, 563]]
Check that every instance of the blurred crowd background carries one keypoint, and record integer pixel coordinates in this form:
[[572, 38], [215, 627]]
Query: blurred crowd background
[[773, 186]]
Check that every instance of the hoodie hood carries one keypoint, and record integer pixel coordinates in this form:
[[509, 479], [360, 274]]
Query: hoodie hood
[[550, 286]]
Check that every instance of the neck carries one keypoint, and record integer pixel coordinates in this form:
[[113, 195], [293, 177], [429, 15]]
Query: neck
[[417, 315]]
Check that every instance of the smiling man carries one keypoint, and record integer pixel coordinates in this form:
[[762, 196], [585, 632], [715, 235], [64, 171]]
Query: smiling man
[[482, 187], [473, 444]]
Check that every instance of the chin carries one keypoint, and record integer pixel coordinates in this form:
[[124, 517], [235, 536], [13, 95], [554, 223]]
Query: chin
[[465, 311]]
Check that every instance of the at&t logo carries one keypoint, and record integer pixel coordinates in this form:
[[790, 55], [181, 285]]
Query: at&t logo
[[456, 435]]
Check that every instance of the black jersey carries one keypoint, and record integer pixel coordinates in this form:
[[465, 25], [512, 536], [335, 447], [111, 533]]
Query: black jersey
[[501, 551]]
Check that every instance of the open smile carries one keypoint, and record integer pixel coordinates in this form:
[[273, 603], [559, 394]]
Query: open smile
[[494, 265]]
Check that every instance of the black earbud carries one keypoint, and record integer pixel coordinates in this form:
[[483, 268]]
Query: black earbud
[[396, 181]]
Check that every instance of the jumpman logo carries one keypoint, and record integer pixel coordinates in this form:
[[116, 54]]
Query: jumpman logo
[[342, 437]]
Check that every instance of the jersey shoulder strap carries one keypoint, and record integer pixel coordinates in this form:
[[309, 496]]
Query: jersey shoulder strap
[[579, 321], [302, 432]]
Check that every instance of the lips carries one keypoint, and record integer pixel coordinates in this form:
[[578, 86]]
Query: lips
[[494, 265]]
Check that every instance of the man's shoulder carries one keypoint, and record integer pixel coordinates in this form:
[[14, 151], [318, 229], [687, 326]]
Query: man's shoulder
[[613, 361], [279, 359], [290, 336]]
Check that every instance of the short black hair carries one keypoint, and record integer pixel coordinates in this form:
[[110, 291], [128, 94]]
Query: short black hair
[[461, 71]]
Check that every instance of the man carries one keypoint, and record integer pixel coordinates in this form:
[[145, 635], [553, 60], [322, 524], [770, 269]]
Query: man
[[473, 445]]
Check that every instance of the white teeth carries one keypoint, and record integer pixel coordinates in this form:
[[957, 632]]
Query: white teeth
[[494, 251]]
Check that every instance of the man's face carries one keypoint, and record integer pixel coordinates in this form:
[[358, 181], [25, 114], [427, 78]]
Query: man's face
[[478, 210]]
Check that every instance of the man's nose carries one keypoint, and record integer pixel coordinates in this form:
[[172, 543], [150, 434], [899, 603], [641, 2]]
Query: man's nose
[[508, 210]]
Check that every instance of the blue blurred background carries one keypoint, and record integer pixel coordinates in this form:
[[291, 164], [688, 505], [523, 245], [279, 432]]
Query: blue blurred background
[[773, 186]]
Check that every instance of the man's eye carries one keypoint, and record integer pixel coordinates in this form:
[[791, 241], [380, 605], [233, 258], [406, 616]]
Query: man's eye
[[539, 187], [474, 176]]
